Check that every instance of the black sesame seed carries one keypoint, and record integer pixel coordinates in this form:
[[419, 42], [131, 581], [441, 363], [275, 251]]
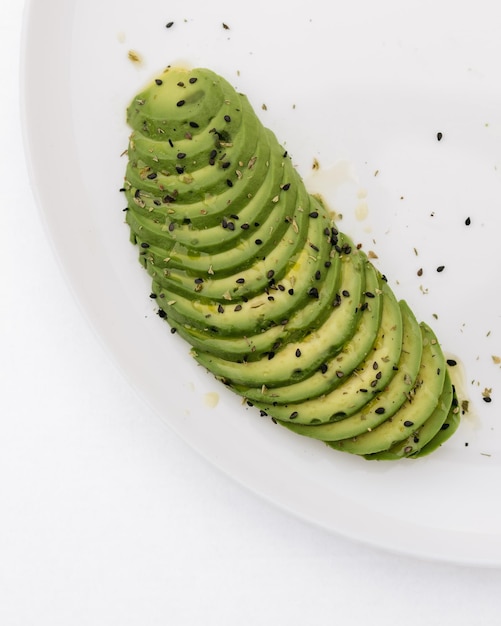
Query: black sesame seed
[[324, 367], [240, 281], [180, 103], [172, 226], [227, 118], [467, 221], [337, 300], [286, 187], [439, 136], [153, 296], [194, 124], [375, 365], [290, 292], [179, 169], [213, 154], [313, 214], [270, 355], [440, 268], [327, 264], [158, 81], [145, 245], [229, 183], [298, 353], [318, 275], [220, 308], [198, 281], [193, 79], [238, 308], [270, 274], [169, 25], [161, 313], [346, 249], [293, 415], [245, 226], [378, 375], [444, 426], [231, 226], [181, 155], [452, 362], [313, 292], [380, 410], [258, 242], [408, 423], [369, 294], [487, 399], [345, 293]]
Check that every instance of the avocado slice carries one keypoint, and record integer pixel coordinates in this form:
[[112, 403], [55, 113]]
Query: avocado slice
[[349, 346], [364, 371], [420, 437], [393, 393], [415, 411], [252, 271]]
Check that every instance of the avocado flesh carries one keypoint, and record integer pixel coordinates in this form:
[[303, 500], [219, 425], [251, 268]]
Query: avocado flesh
[[347, 337], [318, 346], [420, 437], [393, 393], [251, 270], [416, 410], [365, 371]]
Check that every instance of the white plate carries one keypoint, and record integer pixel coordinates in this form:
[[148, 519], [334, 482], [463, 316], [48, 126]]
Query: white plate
[[364, 88]]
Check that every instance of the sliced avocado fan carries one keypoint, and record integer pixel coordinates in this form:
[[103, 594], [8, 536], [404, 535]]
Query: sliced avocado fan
[[252, 271]]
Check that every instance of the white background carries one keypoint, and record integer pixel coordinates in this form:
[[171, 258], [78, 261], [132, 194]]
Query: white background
[[107, 517]]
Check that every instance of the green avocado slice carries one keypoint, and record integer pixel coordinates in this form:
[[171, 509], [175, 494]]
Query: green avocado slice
[[283, 367], [447, 429], [349, 346], [420, 437], [416, 409], [394, 393], [240, 317], [369, 368], [252, 347]]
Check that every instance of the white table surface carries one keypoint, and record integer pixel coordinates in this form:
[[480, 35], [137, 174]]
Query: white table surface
[[108, 518]]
